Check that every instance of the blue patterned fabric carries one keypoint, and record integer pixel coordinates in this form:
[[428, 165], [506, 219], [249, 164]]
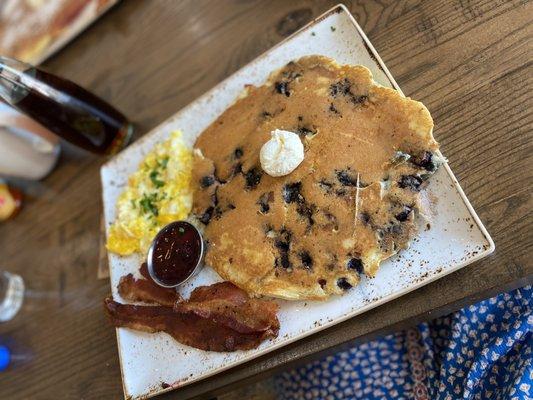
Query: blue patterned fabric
[[480, 352]]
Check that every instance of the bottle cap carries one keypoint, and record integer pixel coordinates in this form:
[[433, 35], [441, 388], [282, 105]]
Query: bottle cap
[[10, 201], [5, 357]]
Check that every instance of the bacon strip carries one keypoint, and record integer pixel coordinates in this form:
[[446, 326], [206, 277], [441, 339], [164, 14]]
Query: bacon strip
[[227, 305], [133, 289], [220, 317], [221, 290], [144, 272]]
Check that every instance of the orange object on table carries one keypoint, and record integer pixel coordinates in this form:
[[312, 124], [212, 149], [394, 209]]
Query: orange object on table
[[10, 201]]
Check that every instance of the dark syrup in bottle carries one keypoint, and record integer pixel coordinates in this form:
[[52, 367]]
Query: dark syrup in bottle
[[63, 107]]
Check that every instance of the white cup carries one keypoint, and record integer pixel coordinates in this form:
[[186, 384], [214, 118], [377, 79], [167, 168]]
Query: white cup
[[27, 149]]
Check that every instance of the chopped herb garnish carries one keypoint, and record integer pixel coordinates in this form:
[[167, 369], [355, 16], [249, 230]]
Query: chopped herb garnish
[[163, 163], [333, 29], [147, 204], [133, 203], [154, 178]]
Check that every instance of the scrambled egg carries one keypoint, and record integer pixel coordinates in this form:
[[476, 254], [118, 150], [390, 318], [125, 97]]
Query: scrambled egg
[[158, 193]]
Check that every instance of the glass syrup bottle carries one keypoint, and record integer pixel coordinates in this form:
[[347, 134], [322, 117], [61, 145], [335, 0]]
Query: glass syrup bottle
[[63, 107]]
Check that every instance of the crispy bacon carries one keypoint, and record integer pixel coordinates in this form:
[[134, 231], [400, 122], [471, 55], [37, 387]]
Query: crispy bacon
[[227, 305], [144, 272], [220, 317], [133, 289]]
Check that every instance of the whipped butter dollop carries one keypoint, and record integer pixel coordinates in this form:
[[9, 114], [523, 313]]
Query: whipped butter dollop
[[282, 153]]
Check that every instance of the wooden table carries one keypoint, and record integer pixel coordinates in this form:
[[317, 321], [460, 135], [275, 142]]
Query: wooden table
[[467, 60]]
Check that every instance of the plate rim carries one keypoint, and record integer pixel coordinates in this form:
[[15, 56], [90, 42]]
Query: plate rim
[[337, 9]]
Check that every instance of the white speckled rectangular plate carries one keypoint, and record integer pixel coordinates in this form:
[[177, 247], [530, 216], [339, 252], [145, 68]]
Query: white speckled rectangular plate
[[457, 237]]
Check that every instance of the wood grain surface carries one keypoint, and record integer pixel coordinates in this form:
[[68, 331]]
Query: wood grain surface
[[469, 61]]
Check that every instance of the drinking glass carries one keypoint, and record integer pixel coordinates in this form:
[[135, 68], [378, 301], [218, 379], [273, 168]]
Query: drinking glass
[[11, 295]]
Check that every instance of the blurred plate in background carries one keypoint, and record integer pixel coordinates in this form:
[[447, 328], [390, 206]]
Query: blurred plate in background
[[32, 30]]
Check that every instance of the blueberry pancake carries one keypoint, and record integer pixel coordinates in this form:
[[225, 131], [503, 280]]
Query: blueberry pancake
[[350, 204]]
